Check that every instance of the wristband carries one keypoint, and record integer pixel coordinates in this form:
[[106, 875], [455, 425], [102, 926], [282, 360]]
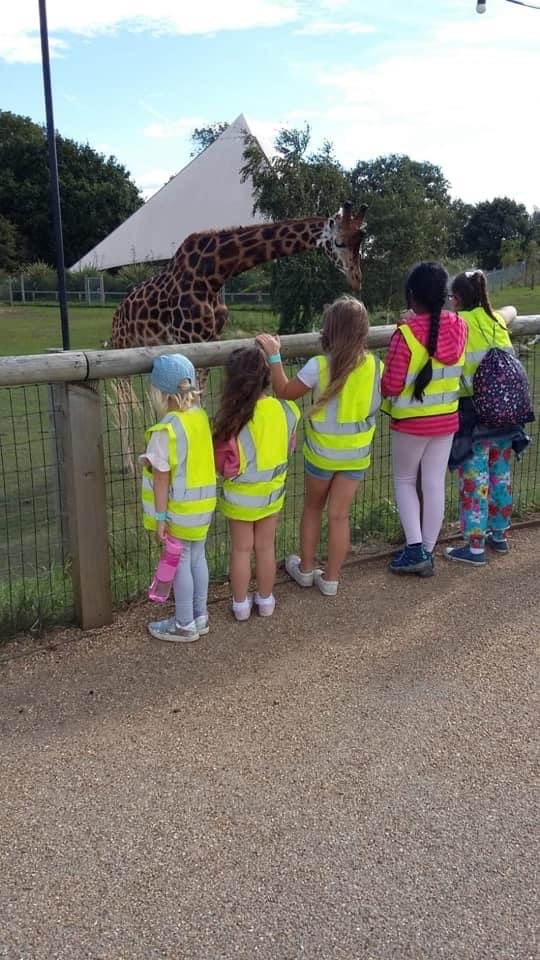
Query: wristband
[[275, 358], [161, 516]]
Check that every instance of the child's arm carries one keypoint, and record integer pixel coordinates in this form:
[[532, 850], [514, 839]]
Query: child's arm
[[156, 458], [161, 499], [283, 388], [396, 367]]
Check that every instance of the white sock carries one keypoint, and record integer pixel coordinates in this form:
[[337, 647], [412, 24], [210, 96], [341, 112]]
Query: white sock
[[476, 550], [239, 606], [264, 601], [186, 626]]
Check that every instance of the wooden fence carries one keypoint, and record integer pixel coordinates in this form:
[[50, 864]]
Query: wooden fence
[[79, 438]]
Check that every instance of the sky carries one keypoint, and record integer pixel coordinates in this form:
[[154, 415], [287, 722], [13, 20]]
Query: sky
[[433, 80]]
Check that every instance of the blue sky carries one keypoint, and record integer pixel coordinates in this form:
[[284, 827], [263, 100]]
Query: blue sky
[[434, 80]]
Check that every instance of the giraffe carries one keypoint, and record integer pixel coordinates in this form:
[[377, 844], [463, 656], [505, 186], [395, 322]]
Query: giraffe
[[184, 302]]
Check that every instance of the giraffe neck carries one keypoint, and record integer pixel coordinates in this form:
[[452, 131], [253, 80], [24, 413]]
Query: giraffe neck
[[223, 254]]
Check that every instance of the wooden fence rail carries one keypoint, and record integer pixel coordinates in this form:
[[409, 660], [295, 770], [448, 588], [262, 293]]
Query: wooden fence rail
[[76, 365]]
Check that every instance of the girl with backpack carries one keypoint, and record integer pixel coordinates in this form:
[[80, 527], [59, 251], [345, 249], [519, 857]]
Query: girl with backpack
[[339, 430], [491, 421], [421, 390], [253, 436]]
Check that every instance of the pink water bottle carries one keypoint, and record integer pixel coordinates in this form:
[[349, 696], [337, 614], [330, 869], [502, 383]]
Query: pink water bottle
[[160, 587]]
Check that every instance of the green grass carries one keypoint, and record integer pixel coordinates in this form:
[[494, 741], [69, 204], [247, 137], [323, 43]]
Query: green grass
[[28, 329]]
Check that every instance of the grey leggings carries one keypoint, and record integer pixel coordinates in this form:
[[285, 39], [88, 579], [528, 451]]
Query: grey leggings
[[191, 582]]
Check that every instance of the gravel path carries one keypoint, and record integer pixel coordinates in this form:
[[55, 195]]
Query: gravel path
[[352, 779]]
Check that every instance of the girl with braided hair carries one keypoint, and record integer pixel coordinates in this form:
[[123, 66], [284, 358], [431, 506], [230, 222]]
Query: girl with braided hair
[[421, 389]]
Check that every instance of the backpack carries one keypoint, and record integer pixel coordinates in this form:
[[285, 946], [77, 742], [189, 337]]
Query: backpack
[[501, 394]]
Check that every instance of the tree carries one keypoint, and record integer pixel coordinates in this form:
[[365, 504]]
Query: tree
[[297, 184], [203, 137], [10, 246], [96, 192], [409, 219], [491, 222]]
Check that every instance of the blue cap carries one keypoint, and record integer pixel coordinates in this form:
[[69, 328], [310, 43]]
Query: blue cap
[[169, 370]]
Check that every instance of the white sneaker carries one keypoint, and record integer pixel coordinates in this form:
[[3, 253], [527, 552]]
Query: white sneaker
[[171, 630], [242, 611], [328, 588], [202, 626], [266, 606], [303, 579]]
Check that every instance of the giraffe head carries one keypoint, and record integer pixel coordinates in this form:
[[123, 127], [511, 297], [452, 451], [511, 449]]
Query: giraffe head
[[341, 239]]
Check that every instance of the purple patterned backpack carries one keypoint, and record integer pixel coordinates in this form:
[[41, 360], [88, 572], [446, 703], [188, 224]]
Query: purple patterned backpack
[[501, 394]]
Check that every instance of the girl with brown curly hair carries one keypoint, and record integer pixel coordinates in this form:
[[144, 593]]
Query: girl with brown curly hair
[[253, 435], [339, 430]]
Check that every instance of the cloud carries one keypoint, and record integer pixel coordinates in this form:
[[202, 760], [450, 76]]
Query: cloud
[[165, 129], [152, 179], [467, 107], [20, 22], [326, 27], [26, 48]]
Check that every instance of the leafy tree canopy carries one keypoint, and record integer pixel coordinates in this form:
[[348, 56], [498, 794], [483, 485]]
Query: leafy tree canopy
[[408, 220], [96, 192], [491, 223], [296, 183], [203, 137]]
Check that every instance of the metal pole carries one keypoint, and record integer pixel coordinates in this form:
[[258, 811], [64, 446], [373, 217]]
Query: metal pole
[[53, 170]]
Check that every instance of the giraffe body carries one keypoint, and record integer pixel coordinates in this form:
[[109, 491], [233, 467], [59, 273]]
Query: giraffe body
[[184, 302]]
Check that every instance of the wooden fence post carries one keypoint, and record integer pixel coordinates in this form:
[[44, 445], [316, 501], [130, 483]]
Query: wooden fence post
[[86, 505]]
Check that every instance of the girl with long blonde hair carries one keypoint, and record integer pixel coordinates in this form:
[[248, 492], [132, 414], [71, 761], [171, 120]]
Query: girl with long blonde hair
[[339, 429]]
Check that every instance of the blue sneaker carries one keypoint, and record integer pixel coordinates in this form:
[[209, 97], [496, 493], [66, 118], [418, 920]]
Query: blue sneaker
[[500, 546], [413, 559], [172, 631], [201, 623], [464, 555], [429, 571]]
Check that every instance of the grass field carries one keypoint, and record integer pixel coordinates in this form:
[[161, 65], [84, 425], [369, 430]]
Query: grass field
[[34, 329], [34, 576]]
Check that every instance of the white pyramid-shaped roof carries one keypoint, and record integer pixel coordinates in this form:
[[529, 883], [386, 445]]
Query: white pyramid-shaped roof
[[207, 194]]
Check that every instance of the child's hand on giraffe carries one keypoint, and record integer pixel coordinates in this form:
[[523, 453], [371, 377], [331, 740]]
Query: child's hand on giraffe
[[271, 344]]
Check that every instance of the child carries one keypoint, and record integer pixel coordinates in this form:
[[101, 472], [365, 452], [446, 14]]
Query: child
[[179, 492], [253, 435], [421, 382], [482, 454], [338, 433]]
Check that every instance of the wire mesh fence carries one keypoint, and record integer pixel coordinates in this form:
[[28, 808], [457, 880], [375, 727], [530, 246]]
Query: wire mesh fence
[[35, 581]]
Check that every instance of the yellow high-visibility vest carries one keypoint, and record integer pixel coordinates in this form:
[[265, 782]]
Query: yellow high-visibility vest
[[192, 491], [483, 333], [263, 444], [441, 394], [339, 436]]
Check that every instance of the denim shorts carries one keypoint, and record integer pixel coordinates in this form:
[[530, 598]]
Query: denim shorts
[[318, 474]]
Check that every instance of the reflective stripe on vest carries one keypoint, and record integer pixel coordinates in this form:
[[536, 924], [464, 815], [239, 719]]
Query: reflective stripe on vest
[[259, 489], [192, 491], [339, 436], [483, 333], [442, 392]]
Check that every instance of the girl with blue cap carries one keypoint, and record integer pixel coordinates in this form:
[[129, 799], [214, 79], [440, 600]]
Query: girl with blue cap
[[179, 495]]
